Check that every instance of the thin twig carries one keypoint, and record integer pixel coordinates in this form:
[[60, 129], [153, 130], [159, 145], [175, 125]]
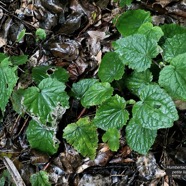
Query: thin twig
[[24, 124], [82, 112], [13, 172]]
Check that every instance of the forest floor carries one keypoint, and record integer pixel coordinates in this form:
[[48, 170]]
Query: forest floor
[[84, 38]]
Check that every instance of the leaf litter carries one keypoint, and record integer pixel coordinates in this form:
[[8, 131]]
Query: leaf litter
[[79, 32]]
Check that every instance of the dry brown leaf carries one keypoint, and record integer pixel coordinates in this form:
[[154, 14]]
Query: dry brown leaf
[[181, 105], [164, 3], [2, 42], [148, 167]]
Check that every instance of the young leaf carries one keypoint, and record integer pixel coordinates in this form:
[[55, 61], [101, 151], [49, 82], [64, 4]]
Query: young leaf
[[112, 136], [42, 138], [155, 110], [111, 114], [172, 77], [129, 22], [111, 67], [42, 101], [82, 136], [96, 94], [151, 32], [174, 46], [21, 35], [40, 34], [41, 178], [138, 138], [79, 88], [137, 80], [19, 60], [41, 72], [137, 51], [171, 30], [8, 80]]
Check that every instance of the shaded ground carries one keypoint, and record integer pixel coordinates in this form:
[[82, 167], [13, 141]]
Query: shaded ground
[[78, 34]]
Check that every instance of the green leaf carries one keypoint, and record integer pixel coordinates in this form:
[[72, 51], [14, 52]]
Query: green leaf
[[138, 138], [41, 72], [137, 51], [19, 60], [16, 99], [3, 56], [43, 100], [41, 178], [82, 136], [111, 67], [79, 88], [129, 22], [174, 46], [8, 80], [112, 136], [111, 114], [122, 3], [21, 35], [171, 30], [96, 94], [6, 179], [40, 34], [172, 77], [42, 138], [151, 32], [2, 181], [155, 110], [137, 80]]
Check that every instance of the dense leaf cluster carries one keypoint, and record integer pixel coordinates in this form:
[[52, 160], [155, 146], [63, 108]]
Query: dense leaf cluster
[[130, 66]]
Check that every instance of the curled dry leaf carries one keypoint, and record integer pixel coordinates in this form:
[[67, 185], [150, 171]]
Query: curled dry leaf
[[164, 3], [77, 68], [181, 105], [102, 158], [69, 160], [94, 41], [179, 10], [3, 42], [67, 50]]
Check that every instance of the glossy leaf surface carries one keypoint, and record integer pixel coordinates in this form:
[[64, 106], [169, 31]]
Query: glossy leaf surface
[[8, 80], [174, 46], [138, 138], [111, 114], [137, 51], [156, 109], [42, 138], [43, 100], [173, 78], [129, 22], [111, 68], [111, 137], [97, 94], [82, 136], [79, 88]]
